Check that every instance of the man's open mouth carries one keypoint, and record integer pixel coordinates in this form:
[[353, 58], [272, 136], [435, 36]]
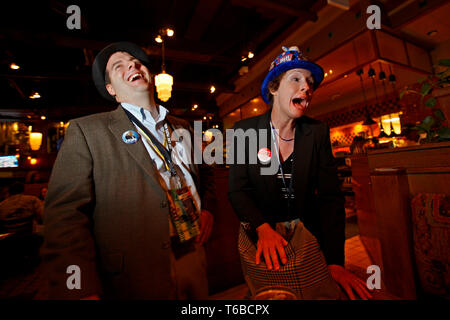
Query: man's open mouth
[[135, 76]]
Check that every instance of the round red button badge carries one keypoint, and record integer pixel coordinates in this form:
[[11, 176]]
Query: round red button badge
[[264, 155]]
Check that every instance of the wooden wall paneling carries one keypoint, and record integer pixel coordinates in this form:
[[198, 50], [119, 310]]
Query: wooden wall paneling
[[365, 211], [391, 193]]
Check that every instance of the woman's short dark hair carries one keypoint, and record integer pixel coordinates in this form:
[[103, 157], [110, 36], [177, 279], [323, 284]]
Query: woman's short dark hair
[[273, 86]]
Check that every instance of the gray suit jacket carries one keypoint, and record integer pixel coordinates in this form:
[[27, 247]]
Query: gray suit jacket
[[106, 212]]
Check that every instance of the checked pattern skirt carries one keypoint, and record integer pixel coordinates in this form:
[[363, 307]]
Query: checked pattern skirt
[[305, 274]]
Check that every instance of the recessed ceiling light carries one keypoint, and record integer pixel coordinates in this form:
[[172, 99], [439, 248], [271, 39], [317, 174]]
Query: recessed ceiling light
[[170, 32], [14, 66]]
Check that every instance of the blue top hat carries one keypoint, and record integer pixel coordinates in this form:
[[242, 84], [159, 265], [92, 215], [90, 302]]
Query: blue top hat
[[291, 58]]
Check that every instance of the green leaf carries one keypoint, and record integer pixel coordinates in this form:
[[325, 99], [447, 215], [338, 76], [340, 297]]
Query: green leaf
[[439, 114], [444, 62], [427, 123], [444, 133], [431, 102], [426, 87]]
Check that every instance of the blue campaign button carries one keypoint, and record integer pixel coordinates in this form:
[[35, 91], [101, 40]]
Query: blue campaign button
[[130, 137]]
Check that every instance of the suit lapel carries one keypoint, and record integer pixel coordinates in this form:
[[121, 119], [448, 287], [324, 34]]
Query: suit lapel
[[303, 150], [119, 123]]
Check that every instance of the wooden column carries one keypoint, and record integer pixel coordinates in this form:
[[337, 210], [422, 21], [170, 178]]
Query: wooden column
[[391, 193]]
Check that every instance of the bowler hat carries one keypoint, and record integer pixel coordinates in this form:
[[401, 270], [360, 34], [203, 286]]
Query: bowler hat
[[101, 60], [291, 58]]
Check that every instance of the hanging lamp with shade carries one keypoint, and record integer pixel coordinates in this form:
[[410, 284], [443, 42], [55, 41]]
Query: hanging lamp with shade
[[163, 81]]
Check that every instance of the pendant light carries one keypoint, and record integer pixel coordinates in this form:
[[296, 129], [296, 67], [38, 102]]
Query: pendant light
[[163, 81]]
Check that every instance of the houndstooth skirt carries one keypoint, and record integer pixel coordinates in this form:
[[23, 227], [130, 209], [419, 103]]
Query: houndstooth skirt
[[305, 274]]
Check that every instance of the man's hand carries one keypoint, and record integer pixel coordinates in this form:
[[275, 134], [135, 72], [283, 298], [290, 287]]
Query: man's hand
[[271, 244], [206, 225], [349, 282]]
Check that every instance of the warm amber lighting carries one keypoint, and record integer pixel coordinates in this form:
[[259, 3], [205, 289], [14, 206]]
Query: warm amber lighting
[[170, 32], [243, 58], [14, 66], [250, 54], [204, 118], [28, 157], [208, 136], [33, 161], [255, 109], [164, 82], [35, 140], [30, 128], [35, 95], [43, 117], [15, 126], [212, 89], [331, 71], [17, 156], [358, 128], [326, 74], [158, 39]]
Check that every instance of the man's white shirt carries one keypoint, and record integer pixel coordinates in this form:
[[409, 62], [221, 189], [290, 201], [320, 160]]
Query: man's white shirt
[[179, 153]]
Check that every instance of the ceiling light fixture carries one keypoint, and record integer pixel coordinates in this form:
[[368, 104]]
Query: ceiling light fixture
[[163, 81], [212, 89], [170, 32], [14, 66], [35, 95], [250, 54]]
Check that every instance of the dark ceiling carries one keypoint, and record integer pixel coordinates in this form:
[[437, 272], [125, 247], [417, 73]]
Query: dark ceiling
[[210, 38]]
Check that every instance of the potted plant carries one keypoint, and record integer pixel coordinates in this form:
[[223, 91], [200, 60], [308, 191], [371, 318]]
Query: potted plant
[[433, 126]]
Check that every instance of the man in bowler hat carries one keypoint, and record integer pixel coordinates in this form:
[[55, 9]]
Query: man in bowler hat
[[107, 210]]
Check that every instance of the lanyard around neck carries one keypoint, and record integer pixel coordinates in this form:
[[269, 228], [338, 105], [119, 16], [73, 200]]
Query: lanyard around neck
[[165, 154], [290, 189]]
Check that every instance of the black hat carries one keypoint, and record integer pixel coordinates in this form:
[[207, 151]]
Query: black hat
[[101, 60]]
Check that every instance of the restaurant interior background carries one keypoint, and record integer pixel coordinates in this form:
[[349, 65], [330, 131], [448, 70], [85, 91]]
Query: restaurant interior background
[[395, 179]]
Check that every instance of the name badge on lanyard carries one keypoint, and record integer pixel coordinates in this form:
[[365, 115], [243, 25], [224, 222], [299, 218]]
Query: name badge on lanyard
[[183, 212]]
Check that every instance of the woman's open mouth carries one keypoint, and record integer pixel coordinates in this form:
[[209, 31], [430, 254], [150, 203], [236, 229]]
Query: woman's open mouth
[[300, 103]]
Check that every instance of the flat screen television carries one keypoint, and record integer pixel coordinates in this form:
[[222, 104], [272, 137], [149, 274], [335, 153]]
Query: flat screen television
[[9, 162]]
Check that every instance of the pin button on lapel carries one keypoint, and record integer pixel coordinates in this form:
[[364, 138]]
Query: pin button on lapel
[[130, 137]]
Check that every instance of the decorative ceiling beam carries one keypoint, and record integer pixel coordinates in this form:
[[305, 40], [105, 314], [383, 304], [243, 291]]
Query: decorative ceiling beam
[[46, 40], [280, 8], [201, 19]]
